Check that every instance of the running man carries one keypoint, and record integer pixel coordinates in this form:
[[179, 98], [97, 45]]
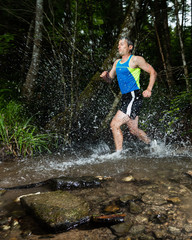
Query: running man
[[128, 70]]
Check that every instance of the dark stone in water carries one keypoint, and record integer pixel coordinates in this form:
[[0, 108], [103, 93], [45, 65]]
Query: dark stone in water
[[63, 183], [125, 199], [134, 208], [158, 218], [121, 229]]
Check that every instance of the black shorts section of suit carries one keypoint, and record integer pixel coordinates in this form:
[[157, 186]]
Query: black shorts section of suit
[[131, 103]]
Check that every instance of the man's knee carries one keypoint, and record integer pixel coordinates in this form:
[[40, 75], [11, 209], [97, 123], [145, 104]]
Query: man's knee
[[133, 131], [114, 124]]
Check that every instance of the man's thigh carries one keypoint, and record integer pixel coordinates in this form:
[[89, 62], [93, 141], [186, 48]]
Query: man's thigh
[[133, 123], [120, 118]]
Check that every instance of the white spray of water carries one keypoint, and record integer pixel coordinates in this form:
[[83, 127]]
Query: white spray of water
[[92, 160]]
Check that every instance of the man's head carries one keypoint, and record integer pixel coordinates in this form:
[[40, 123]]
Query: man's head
[[128, 40], [125, 46]]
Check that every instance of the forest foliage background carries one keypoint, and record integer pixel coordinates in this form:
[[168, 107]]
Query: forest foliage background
[[51, 51]]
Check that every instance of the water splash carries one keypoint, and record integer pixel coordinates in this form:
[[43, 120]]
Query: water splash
[[97, 160]]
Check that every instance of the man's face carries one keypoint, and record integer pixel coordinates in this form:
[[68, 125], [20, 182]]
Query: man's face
[[123, 47]]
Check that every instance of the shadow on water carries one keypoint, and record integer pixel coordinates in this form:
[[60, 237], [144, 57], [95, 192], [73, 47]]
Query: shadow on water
[[156, 161]]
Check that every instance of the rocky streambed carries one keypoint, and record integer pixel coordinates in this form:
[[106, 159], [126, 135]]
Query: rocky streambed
[[124, 207]]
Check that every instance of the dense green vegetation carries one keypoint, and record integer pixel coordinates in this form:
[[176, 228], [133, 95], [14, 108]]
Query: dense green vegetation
[[74, 40], [17, 134]]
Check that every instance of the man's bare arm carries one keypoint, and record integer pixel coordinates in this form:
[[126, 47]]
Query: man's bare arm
[[141, 63], [108, 76]]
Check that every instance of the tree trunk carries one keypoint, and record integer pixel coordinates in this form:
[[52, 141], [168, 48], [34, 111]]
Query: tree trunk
[[162, 32], [97, 99], [186, 75], [29, 84], [29, 44]]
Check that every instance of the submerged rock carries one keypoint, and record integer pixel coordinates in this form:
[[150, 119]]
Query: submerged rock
[[174, 230], [122, 228], [125, 199], [134, 208], [155, 199], [2, 192], [136, 229], [188, 228], [63, 183], [175, 200], [129, 178], [158, 218], [111, 208], [57, 211], [146, 237]]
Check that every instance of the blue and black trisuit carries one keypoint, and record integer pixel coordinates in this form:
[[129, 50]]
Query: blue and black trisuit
[[128, 79]]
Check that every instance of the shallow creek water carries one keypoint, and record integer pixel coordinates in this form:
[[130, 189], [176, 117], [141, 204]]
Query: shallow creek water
[[160, 162]]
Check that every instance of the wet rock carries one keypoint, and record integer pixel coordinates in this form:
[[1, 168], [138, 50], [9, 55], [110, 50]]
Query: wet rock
[[160, 234], [155, 199], [64, 183], [134, 208], [125, 199], [121, 229], [111, 208], [128, 179], [141, 219], [188, 228], [142, 182], [146, 237], [189, 173], [57, 211], [159, 210], [137, 229], [174, 200], [173, 230], [158, 218], [5, 227], [104, 178]]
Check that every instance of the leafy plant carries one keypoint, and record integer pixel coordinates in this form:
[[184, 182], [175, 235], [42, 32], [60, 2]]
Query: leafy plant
[[18, 135], [179, 114], [6, 42]]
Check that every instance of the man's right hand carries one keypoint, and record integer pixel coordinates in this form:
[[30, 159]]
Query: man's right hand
[[105, 76]]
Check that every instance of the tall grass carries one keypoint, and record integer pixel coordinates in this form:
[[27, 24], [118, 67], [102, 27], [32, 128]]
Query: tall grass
[[17, 134]]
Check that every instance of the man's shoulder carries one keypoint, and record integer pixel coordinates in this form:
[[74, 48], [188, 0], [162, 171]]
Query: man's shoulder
[[137, 60], [116, 61]]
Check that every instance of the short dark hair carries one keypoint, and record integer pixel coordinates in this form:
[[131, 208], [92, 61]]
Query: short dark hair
[[128, 40]]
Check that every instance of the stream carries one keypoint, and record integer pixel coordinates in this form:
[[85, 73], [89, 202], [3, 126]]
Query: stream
[[160, 162]]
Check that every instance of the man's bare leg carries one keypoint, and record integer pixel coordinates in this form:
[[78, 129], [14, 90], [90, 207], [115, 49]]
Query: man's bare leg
[[119, 119], [133, 128]]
